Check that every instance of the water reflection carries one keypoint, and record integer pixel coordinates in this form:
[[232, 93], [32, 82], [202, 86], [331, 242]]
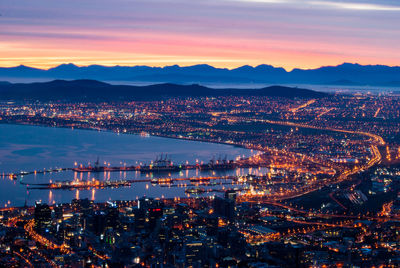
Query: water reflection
[[66, 148]]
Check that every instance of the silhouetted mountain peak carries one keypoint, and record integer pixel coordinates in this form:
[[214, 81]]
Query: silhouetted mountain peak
[[244, 68], [204, 73], [24, 68], [171, 67], [66, 67], [267, 67]]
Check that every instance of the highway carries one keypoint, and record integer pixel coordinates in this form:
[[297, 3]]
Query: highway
[[344, 175]]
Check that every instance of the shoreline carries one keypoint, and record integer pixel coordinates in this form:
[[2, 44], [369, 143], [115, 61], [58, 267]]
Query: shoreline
[[131, 133]]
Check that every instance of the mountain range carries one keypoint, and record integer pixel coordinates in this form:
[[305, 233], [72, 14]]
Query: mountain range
[[344, 74], [91, 90]]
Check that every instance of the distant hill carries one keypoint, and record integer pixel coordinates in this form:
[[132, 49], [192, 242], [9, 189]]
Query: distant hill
[[98, 91], [346, 73]]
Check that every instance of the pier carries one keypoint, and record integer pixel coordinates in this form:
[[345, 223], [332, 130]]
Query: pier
[[69, 185]]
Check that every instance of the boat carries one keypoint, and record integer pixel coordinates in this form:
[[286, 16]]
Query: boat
[[162, 181], [195, 190]]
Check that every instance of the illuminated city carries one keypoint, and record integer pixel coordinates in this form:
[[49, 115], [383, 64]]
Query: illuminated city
[[190, 134], [322, 185]]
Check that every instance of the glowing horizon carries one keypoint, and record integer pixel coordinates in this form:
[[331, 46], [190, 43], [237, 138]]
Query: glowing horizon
[[223, 33]]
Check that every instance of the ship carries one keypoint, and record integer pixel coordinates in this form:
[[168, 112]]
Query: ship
[[162, 164], [201, 179], [195, 190], [95, 168], [98, 168], [162, 181], [220, 164]]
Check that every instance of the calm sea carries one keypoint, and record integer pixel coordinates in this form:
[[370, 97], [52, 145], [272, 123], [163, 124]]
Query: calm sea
[[27, 148]]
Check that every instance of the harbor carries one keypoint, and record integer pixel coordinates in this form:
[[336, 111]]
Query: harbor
[[160, 165], [32, 159], [90, 184]]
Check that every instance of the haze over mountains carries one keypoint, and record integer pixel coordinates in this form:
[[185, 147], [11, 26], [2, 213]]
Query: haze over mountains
[[91, 90], [344, 74]]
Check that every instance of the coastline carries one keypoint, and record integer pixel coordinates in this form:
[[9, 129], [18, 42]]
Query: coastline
[[131, 133], [86, 146]]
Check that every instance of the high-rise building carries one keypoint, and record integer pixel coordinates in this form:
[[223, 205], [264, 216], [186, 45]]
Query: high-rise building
[[153, 214], [58, 212], [82, 205], [99, 222], [112, 216], [145, 202], [140, 219], [224, 207], [230, 194], [194, 253], [147, 213], [42, 215]]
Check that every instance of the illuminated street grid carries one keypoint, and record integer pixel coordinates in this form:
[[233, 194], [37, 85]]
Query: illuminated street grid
[[329, 195]]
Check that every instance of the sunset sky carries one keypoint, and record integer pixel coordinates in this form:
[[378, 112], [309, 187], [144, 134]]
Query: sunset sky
[[222, 33]]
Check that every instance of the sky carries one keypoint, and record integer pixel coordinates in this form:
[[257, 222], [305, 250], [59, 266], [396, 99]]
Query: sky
[[223, 33]]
